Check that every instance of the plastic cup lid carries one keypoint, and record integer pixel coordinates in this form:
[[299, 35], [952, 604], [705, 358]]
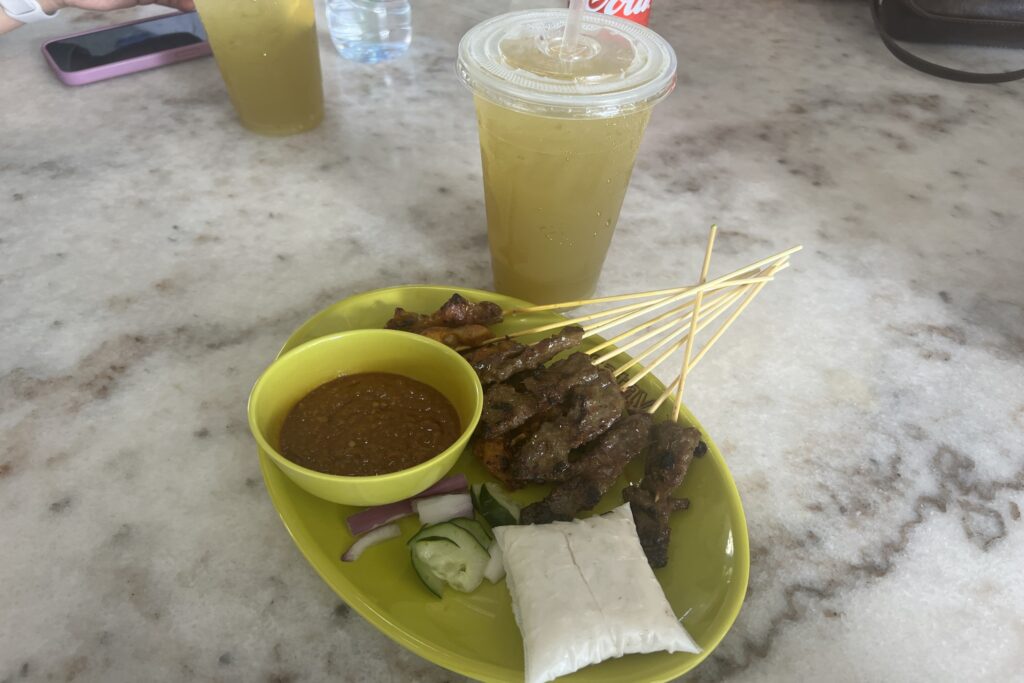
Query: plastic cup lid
[[618, 66]]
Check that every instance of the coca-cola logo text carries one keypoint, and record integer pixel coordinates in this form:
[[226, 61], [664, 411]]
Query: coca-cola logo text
[[621, 8]]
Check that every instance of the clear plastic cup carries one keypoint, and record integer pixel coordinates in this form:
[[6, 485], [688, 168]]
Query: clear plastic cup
[[558, 138], [269, 58]]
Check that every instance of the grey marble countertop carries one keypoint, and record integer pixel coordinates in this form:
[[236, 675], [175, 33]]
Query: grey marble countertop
[[154, 256]]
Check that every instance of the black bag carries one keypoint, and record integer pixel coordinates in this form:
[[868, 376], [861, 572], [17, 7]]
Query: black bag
[[992, 23]]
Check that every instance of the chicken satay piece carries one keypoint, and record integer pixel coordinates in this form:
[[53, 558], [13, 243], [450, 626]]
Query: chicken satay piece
[[464, 335], [456, 312], [495, 456]]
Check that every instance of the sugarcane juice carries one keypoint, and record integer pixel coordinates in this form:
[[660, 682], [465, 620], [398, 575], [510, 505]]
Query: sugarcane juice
[[553, 188], [269, 59]]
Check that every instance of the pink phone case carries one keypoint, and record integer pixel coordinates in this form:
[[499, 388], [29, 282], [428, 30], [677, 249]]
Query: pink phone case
[[127, 66]]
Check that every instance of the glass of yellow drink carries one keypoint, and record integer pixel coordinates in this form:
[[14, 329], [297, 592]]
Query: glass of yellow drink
[[269, 58], [558, 138]]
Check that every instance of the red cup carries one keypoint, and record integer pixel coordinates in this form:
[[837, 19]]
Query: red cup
[[634, 10]]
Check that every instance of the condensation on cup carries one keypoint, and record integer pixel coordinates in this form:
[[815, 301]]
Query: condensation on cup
[[634, 10]]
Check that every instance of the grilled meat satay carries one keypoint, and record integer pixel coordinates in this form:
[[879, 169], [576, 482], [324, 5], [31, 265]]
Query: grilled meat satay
[[594, 473], [495, 456], [669, 453], [552, 384], [498, 453], [499, 361], [456, 312], [652, 522], [464, 335], [483, 358], [593, 407], [507, 407]]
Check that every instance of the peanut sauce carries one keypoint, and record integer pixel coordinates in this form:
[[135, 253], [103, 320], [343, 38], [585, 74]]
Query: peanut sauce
[[368, 423]]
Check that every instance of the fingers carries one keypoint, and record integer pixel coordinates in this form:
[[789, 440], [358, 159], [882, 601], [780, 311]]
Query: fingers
[[183, 5]]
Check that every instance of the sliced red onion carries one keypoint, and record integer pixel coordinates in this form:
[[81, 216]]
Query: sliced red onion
[[452, 484], [371, 518], [438, 509], [372, 538]]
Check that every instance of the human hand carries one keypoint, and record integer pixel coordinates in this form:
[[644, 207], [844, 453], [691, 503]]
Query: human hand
[[51, 6]]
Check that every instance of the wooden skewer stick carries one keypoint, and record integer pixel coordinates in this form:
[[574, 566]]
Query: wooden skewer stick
[[664, 395], [622, 313], [615, 322], [642, 306], [600, 300], [668, 314], [705, 320], [650, 308], [673, 386], [654, 331], [659, 292], [693, 320], [710, 313], [725, 325]]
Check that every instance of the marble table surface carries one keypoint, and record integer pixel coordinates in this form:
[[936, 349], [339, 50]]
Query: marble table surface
[[154, 256]]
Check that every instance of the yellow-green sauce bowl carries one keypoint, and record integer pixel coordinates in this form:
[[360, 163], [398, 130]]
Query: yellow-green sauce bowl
[[306, 367]]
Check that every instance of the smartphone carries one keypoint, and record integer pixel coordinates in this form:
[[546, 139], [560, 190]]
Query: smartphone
[[126, 48]]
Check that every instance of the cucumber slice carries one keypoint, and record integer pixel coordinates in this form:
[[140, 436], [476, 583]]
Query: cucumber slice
[[433, 584], [460, 563], [474, 527], [496, 507], [495, 569], [449, 530]]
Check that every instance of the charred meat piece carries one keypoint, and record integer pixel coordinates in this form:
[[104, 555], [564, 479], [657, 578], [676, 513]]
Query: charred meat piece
[[460, 311], [554, 383], [669, 453], [507, 407], [404, 320], [594, 473], [652, 521], [464, 335], [499, 361], [456, 312], [494, 454], [483, 358], [591, 409]]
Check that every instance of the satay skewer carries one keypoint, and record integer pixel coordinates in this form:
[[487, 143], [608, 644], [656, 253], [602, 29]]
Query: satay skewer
[[693, 315], [674, 385], [615, 322], [659, 292], [618, 315], [651, 329], [693, 320], [671, 313], [711, 312], [631, 311]]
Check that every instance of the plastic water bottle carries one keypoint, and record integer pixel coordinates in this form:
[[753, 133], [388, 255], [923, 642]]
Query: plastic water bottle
[[370, 31]]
